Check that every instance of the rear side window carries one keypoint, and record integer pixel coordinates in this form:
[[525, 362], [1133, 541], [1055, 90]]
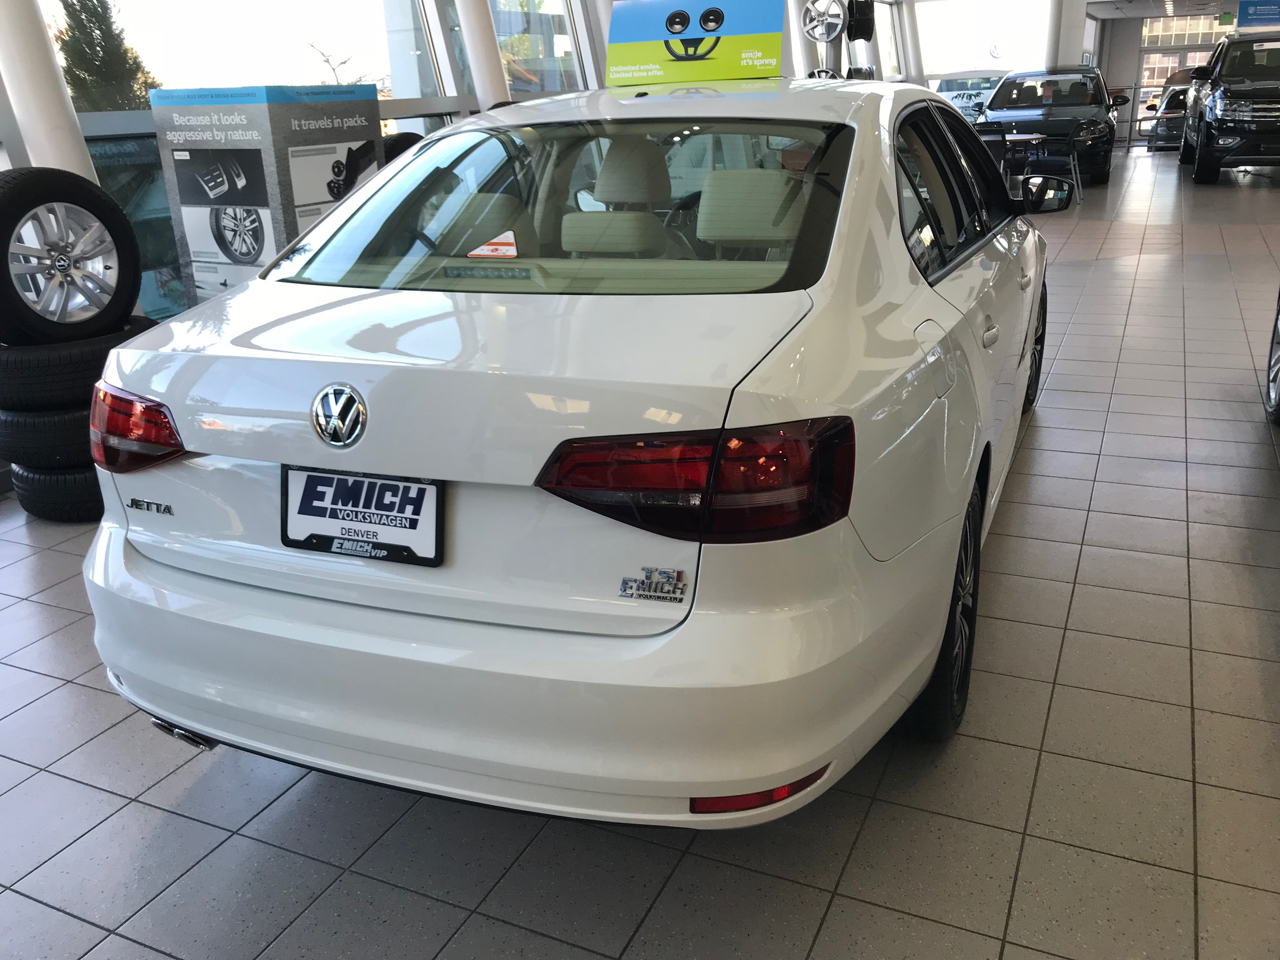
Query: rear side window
[[986, 176], [919, 226], [933, 170]]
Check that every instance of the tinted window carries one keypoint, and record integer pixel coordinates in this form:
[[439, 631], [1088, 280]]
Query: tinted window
[[1252, 60], [1052, 90], [934, 171], [919, 226], [1176, 103], [993, 193]]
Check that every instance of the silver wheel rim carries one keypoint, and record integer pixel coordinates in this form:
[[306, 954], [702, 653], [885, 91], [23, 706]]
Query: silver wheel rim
[[965, 601], [242, 229], [1273, 368], [64, 263]]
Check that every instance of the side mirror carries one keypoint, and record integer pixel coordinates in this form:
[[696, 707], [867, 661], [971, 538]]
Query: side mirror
[[1201, 73], [862, 19], [1047, 194], [1119, 100], [1152, 108]]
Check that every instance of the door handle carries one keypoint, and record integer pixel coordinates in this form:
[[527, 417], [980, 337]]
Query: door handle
[[1025, 281], [990, 336]]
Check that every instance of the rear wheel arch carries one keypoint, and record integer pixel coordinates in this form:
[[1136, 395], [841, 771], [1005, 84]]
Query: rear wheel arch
[[984, 478]]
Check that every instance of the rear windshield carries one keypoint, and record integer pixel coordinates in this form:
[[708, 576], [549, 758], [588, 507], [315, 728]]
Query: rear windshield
[[1256, 60], [1056, 90], [971, 83], [609, 207]]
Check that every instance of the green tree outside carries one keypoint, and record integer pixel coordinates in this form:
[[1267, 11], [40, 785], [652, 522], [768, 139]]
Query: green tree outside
[[102, 71]]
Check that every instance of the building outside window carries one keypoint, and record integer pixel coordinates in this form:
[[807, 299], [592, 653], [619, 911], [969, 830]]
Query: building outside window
[[1171, 44]]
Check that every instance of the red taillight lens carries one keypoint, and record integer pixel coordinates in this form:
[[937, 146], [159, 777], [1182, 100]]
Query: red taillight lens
[[750, 801], [128, 432], [730, 486]]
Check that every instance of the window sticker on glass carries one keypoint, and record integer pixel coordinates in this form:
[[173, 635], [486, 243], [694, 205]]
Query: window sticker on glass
[[503, 245], [1268, 45]]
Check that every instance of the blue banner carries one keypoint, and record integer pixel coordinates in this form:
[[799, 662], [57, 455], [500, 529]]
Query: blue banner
[[1258, 13], [229, 96]]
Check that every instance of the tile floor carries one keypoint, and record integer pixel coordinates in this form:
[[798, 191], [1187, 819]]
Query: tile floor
[[1115, 791]]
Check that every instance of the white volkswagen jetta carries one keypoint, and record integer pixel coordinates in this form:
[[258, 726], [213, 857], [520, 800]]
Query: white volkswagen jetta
[[621, 455]]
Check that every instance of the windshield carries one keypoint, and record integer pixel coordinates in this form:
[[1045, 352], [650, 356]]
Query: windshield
[[1056, 90], [1256, 61], [610, 207], [971, 83]]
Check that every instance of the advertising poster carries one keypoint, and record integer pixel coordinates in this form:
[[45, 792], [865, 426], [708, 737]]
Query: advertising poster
[[1258, 13], [248, 169], [658, 41]]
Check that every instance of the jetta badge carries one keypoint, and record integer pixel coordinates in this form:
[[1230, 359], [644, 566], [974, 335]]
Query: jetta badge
[[338, 415]]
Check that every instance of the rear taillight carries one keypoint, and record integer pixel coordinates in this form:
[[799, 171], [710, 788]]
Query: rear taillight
[[724, 486], [128, 432], [752, 801]]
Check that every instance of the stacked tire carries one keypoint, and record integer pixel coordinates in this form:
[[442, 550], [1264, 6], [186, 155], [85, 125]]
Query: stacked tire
[[71, 282]]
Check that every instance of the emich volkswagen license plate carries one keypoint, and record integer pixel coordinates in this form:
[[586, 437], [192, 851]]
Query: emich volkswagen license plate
[[359, 515]]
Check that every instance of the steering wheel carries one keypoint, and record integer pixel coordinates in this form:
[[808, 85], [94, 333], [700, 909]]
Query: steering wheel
[[682, 205]]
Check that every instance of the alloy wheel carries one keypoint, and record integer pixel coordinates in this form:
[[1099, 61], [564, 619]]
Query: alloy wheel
[[241, 228], [63, 262], [965, 613]]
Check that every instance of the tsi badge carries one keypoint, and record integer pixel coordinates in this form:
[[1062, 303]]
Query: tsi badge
[[663, 585]]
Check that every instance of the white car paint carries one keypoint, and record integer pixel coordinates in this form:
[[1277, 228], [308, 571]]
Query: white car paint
[[514, 674]]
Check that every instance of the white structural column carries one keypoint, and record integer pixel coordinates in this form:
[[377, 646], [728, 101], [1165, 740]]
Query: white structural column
[[480, 37], [913, 65], [1066, 33], [37, 93]]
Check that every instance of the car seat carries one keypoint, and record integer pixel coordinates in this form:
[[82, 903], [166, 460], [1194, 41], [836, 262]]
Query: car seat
[[752, 209], [1078, 95], [633, 181]]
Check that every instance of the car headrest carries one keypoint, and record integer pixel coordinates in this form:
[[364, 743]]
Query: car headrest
[[1029, 94], [613, 234], [634, 171], [760, 208], [483, 218]]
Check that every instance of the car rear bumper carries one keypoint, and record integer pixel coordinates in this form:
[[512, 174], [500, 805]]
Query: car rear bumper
[[612, 728]]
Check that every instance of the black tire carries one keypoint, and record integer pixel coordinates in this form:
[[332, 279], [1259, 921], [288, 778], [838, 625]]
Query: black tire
[[24, 191], [1271, 390], [46, 440], [58, 376], [1037, 353], [65, 496], [940, 709], [395, 144], [239, 233], [1206, 168], [1187, 153]]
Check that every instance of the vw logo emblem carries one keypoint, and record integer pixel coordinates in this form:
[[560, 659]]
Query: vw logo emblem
[[62, 263], [338, 415]]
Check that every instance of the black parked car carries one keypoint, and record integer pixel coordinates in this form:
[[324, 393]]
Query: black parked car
[[1169, 116], [1056, 102], [1233, 110]]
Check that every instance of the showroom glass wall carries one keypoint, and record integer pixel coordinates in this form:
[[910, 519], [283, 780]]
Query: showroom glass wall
[[1170, 44]]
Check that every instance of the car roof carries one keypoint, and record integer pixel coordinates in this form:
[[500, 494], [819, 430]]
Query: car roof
[[1052, 71], [838, 101], [1260, 36]]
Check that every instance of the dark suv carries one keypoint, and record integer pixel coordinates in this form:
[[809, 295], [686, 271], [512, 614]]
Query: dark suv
[[1233, 109], [1056, 103]]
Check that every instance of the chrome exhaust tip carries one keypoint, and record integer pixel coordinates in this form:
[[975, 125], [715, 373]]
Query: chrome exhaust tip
[[186, 736]]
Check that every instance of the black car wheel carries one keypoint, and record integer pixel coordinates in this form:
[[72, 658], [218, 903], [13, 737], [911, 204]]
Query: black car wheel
[[73, 265], [238, 232], [1187, 153], [1271, 399], [1206, 169], [940, 708], [1037, 353], [1102, 176]]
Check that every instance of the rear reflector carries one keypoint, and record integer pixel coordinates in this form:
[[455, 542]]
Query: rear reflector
[[128, 432], [724, 486], [750, 801]]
